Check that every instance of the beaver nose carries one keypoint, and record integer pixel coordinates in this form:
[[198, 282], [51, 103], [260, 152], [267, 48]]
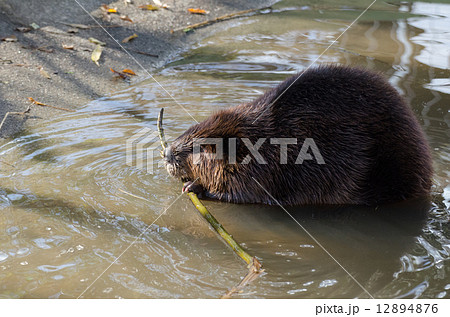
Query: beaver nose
[[168, 155]]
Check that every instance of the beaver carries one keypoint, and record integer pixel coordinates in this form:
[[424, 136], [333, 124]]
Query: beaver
[[364, 145]]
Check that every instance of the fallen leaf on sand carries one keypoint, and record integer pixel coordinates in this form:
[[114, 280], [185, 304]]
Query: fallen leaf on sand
[[44, 73], [23, 29], [36, 102], [126, 40], [197, 11], [34, 26], [126, 18], [96, 54], [119, 74], [149, 7], [107, 9], [128, 71], [45, 105], [124, 74], [95, 41], [11, 38], [67, 47], [52, 29]]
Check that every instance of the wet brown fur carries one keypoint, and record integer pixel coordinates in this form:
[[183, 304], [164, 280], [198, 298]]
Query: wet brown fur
[[373, 147]]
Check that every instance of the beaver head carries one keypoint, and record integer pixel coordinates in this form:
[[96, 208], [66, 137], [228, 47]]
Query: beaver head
[[191, 157]]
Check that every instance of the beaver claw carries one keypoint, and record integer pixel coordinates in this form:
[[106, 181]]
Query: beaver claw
[[192, 188]]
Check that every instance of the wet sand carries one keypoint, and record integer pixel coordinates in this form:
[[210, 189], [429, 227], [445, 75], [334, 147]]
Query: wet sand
[[36, 64]]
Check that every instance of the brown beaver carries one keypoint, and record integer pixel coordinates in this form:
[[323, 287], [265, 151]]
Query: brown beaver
[[363, 145]]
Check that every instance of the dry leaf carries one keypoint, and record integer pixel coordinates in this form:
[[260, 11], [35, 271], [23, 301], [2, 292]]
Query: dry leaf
[[96, 54], [149, 7], [126, 40], [44, 49], [52, 29], [34, 26], [67, 47], [95, 41], [107, 9], [36, 102], [128, 71], [197, 11], [11, 38], [23, 29], [126, 18], [44, 73], [45, 105], [119, 74]]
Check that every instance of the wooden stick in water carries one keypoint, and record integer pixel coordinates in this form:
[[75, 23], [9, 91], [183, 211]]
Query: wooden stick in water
[[162, 138], [255, 267], [219, 229]]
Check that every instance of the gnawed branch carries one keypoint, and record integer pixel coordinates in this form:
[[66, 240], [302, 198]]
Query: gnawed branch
[[255, 267]]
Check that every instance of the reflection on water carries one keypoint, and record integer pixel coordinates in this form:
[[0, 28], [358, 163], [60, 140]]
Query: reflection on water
[[65, 218]]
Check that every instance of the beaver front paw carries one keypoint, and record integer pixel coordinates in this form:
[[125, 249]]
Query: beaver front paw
[[193, 188]]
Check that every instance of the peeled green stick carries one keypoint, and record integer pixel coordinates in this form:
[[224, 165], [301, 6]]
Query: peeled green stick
[[255, 267], [220, 230]]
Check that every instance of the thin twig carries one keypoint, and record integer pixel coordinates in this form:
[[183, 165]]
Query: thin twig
[[135, 196], [86, 27], [45, 105], [218, 19], [162, 138], [4, 162], [21, 113], [143, 53], [254, 271]]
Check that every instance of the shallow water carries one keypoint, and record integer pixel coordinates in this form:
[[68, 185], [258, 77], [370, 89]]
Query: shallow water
[[65, 218]]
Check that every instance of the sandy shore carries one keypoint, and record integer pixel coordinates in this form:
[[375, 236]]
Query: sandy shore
[[35, 64]]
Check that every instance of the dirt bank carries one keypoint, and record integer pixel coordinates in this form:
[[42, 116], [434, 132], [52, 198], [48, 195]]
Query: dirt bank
[[35, 64]]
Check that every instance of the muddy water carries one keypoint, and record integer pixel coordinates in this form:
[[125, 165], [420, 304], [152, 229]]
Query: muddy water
[[65, 218]]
